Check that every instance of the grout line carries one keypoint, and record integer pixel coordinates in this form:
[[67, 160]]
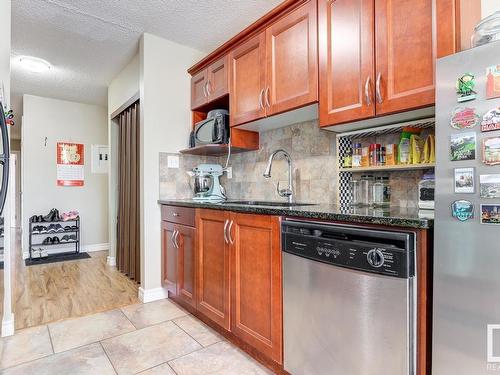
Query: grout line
[[187, 333], [126, 317], [50, 338], [161, 364], [107, 356]]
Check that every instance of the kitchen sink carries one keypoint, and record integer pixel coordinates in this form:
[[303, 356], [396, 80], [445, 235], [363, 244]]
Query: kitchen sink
[[269, 203]]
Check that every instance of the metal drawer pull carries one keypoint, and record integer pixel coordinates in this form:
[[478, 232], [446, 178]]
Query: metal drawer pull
[[378, 93], [175, 214], [229, 233], [260, 99], [367, 91], [225, 231]]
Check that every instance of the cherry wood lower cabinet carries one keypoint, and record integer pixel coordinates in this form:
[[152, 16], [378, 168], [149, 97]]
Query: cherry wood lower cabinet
[[169, 258], [239, 277]]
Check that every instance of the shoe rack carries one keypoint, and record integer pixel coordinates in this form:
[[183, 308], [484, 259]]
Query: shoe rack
[[39, 243]]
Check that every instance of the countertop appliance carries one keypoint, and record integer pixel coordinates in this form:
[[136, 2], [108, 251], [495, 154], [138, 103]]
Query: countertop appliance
[[349, 300], [466, 300], [206, 185], [213, 130]]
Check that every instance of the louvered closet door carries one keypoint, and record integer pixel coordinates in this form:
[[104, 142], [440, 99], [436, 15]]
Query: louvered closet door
[[128, 251]]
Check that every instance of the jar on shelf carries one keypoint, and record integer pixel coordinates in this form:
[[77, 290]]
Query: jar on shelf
[[356, 193], [347, 162], [381, 192], [367, 190], [357, 153]]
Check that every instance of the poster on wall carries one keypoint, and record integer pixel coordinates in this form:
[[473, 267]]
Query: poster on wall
[[70, 164]]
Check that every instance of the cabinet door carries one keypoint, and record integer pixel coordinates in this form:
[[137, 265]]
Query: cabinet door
[[169, 258], [199, 94], [292, 60], [247, 80], [218, 78], [256, 290], [346, 60], [213, 266], [405, 55], [186, 257]]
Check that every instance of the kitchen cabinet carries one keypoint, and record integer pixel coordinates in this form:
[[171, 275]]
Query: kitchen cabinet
[[213, 289], [256, 288], [378, 57], [275, 70], [346, 60], [169, 258], [210, 84], [185, 242]]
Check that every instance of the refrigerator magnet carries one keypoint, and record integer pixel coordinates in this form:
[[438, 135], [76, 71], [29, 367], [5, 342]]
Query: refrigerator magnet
[[489, 185], [463, 146], [464, 180], [490, 214], [493, 82], [462, 210], [491, 151], [491, 120], [465, 87], [464, 118]]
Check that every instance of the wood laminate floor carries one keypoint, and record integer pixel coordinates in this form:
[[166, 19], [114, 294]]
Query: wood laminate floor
[[55, 291]]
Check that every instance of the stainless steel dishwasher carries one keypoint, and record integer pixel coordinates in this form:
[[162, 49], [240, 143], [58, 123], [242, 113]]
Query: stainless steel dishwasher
[[349, 300]]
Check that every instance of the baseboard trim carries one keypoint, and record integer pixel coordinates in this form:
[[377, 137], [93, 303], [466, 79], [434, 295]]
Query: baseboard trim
[[8, 326], [150, 295], [84, 249], [111, 261]]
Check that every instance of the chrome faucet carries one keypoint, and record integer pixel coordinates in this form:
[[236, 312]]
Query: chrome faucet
[[287, 192]]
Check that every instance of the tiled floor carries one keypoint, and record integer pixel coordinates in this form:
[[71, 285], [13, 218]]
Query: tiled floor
[[153, 338]]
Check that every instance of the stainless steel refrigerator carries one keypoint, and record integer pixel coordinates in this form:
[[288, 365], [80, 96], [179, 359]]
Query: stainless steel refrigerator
[[466, 300]]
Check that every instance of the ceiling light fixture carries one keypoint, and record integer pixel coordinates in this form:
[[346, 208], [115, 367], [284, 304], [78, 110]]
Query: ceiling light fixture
[[35, 64]]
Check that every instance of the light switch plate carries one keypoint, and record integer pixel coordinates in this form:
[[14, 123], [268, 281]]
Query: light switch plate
[[229, 172], [173, 161]]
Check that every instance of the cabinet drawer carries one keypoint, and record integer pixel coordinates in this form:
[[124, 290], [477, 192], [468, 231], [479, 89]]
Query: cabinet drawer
[[179, 215]]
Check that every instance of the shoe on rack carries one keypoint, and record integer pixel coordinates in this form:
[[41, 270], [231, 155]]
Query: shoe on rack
[[56, 240], [43, 253], [72, 237], [65, 238], [36, 253], [51, 229], [47, 241], [58, 228], [33, 219]]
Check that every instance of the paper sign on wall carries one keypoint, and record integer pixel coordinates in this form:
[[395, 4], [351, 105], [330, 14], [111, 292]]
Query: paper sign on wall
[[70, 164]]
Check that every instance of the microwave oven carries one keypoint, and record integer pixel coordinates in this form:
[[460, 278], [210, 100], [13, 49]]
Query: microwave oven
[[213, 130]]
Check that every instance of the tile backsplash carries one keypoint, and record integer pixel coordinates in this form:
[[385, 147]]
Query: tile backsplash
[[313, 154]]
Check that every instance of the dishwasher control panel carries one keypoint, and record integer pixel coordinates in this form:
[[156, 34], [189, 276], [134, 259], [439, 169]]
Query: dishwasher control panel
[[386, 253]]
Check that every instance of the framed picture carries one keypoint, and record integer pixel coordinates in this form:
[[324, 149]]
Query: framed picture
[[490, 214], [463, 146], [489, 185], [491, 151], [493, 82], [464, 180]]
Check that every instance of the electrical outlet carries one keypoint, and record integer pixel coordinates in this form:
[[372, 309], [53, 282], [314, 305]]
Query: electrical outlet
[[229, 172], [173, 161]]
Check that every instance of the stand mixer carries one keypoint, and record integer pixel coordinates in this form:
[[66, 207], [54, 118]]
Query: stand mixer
[[206, 185]]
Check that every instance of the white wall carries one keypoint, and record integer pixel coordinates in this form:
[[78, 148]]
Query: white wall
[[123, 87], [489, 7], [165, 120], [50, 121]]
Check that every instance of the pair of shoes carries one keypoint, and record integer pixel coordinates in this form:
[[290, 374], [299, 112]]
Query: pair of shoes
[[55, 228], [51, 241], [53, 215], [69, 238], [39, 229], [36, 219], [69, 228], [72, 215]]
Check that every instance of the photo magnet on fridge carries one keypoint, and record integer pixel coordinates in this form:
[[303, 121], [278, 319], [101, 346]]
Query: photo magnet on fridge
[[464, 118], [462, 210], [490, 214], [489, 185], [463, 146], [491, 151], [493, 82], [491, 120], [464, 180]]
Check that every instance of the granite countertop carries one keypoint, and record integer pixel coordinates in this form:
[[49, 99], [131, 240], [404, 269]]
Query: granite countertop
[[393, 216]]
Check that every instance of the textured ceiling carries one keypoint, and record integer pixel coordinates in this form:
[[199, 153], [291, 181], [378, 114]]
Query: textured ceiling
[[90, 41]]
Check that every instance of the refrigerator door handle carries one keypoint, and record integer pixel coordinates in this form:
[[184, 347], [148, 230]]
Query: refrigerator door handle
[[4, 158]]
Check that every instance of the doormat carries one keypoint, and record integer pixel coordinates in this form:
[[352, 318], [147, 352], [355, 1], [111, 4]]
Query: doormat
[[56, 258]]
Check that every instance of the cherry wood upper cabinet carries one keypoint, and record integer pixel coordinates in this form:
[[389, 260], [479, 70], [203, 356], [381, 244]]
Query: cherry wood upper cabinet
[[169, 258], [186, 253], [213, 289], [218, 79], [199, 95], [292, 62], [247, 79], [405, 55], [346, 60], [256, 290]]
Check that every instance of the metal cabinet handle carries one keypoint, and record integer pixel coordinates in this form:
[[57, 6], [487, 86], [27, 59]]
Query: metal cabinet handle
[[225, 231], [205, 90], [209, 86], [229, 233], [367, 91], [267, 97], [172, 237], [261, 105], [175, 239], [175, 214], [377, 89]]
